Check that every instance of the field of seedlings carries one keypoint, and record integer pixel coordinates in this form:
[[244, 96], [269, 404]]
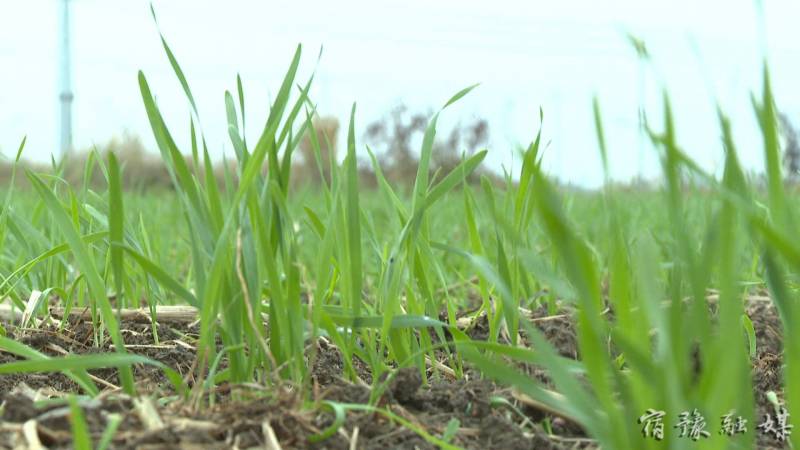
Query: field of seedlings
[[461, 311]]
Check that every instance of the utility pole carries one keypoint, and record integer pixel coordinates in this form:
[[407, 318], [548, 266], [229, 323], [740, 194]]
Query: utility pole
[[642, 102], [66, 96]]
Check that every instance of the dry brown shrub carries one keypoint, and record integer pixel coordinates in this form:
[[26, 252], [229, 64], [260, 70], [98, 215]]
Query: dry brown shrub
[[308, 169]]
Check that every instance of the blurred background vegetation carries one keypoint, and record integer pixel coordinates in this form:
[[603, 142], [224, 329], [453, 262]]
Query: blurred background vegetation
[[392, 138]]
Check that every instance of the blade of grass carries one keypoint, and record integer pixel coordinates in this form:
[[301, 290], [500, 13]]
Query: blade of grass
[[88, 268]]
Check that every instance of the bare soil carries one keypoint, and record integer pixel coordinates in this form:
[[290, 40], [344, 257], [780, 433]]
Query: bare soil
[[245, 416], [767, 365]]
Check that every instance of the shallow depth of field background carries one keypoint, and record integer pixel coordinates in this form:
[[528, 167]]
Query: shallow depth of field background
[[527, 55]]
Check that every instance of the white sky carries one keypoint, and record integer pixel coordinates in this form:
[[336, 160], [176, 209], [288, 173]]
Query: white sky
[[556, 55]]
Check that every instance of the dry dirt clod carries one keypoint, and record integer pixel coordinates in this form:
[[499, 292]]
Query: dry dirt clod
[[405, 384]]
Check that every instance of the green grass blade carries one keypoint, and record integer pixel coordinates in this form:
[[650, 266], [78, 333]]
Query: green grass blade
[[116, 220], [353, 219], [175, 66], [114, 421], [460, 94], [165, 279], [88, 268], [80, 429], [80, 376]]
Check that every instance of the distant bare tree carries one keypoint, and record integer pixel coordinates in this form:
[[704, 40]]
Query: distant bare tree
[[394, 135], [791, 154], [462, 139]]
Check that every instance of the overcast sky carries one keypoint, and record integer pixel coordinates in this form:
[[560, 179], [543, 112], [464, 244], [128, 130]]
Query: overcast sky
[[526, 55]]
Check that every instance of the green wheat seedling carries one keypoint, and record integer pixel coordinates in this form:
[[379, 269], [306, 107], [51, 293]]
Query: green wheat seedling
[[244, 249], [676, 357]]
